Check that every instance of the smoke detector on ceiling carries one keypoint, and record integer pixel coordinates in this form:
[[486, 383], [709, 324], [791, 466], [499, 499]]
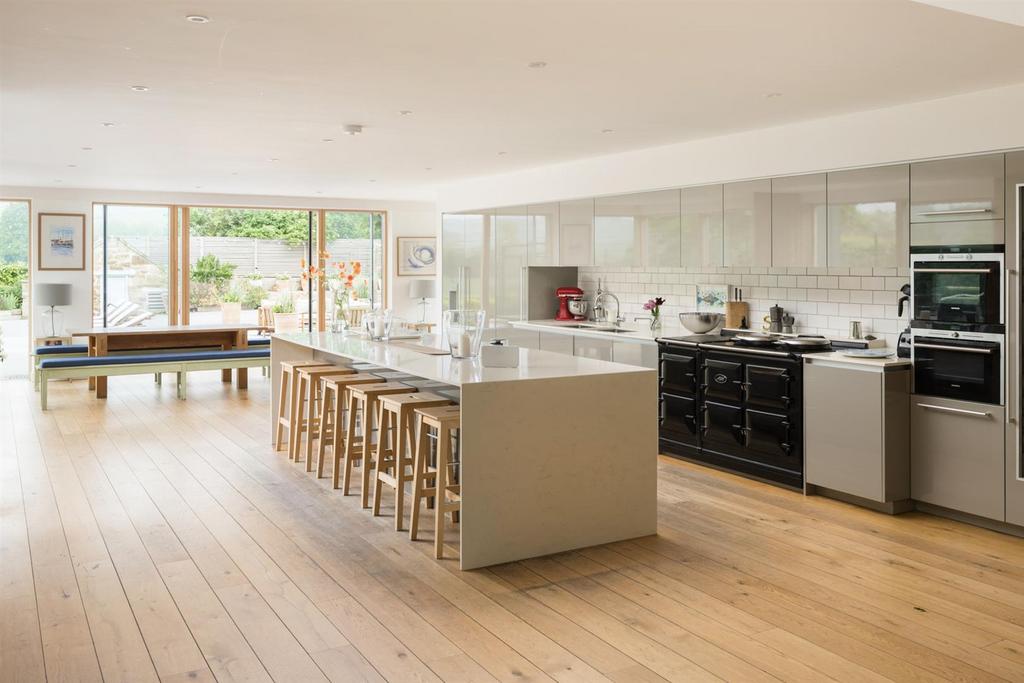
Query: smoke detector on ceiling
[[352, 129]]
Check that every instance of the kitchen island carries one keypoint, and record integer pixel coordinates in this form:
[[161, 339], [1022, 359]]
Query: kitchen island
[[559, 453]]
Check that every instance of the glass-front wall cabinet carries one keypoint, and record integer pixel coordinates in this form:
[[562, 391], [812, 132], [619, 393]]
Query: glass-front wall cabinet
[[543, 222], [510, 258], [869, 217], [576, 233], [701, 221]]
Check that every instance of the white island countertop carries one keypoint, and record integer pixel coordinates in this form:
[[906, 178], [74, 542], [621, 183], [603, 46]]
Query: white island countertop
[[529, 485], [533, 363]]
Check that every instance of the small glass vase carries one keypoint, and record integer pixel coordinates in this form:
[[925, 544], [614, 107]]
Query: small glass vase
[[464, 331], [341, 304], [378, 324], [656, 323]]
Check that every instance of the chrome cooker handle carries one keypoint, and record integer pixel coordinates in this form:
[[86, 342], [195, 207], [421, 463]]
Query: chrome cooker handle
[[942, 347], [952, 270], [958, 411]]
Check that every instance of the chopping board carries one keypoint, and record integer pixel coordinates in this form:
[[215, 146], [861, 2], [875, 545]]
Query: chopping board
[[735, 312]]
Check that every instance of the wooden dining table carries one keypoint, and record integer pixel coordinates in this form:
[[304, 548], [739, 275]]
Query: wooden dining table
[[103, 340]]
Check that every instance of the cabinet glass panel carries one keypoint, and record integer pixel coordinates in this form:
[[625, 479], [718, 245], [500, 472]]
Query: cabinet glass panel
[[869, 217], [702, 226], [747, 223], [966, 188], [576, 233], [658, 216], [799, 218], [510, 240], [616, 231], [543, 235]]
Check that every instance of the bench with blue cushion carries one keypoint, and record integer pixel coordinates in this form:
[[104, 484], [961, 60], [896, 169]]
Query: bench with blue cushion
[[180, 363]]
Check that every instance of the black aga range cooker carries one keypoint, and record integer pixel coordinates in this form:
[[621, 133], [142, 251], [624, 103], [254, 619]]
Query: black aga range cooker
[[735, 404]]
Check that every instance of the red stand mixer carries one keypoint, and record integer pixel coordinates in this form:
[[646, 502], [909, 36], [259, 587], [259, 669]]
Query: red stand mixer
[[571, 304]]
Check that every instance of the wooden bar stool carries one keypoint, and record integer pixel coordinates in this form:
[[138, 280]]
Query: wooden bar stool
[[289, 376], [365, 399], [447, 493], [307, 408], [396, 439], [332, 423]]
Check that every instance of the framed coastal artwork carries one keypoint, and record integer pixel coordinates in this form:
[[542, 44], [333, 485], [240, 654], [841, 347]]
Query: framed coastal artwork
[[61, 241], [712, 297], [417, 256]]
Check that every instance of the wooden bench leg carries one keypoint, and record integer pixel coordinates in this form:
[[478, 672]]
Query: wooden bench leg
[[44, 382], [243, 378], [182, 384]]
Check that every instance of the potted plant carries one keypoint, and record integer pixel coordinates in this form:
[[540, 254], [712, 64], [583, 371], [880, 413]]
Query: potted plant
[[231, 307], [285, 317], [339, 277], [654, 307]]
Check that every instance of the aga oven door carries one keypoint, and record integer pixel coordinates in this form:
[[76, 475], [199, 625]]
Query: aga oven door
[[722, 381], [769, 388], [678, 372], [722, 428], [771, 440], [678, 419], [957, 289], [967, 370]]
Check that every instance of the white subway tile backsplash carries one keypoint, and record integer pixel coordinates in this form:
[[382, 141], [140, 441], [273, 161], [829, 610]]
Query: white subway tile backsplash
[[823, 300]]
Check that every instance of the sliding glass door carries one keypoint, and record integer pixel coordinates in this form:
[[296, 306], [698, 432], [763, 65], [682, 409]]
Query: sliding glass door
[[15, 307], [132, 266], [158, 265], [247, 265]]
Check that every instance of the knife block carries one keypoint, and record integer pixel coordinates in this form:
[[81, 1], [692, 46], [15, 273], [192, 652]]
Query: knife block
[[735, 312]]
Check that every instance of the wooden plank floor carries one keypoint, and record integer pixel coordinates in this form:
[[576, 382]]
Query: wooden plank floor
[[144, 538]]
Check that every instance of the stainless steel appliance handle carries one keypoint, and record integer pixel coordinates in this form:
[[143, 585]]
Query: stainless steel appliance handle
[[954, 212], [958, 411], [943, 347], [952, 270], [750, 349]]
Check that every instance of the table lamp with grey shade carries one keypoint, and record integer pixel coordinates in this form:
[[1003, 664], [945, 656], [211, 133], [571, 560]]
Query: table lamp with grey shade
[[422, 290], [53, 294]]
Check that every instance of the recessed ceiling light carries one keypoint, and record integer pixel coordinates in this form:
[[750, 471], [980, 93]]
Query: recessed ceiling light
[[773, 95], [327, 140], [352, 129], [372, 180], [319, 191], [274, 159], [197, 19], [405, 112], [428, 168], [140, 88], [607, 130], [199, 187], [127, 49], [57, 180], [109, 124], [72, 165], [234, 173], [537, 65], [501, 154], [87, 149]]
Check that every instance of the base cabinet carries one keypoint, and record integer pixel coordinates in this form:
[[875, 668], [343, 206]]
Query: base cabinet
[[588, 347], [957, 456], [553, 341], [855, 431]]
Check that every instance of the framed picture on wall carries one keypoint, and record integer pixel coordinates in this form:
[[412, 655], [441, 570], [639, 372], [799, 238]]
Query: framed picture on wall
[[417, 256], [61, 241]]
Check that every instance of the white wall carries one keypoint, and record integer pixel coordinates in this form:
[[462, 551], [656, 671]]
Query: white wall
[[982, 121], [404, 219]]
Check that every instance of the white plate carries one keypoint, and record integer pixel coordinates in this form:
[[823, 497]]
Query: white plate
[[868, 353]]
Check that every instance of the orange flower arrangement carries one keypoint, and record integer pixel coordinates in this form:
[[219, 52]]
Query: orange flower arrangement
[[342, 273]]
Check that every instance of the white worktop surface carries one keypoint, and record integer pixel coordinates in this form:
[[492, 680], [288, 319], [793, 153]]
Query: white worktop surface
[[533, 364], [836, 357], [638, 333]]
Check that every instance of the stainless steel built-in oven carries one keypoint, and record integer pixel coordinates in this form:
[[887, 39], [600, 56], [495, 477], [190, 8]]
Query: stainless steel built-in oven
[[962, 290], [958, 365]]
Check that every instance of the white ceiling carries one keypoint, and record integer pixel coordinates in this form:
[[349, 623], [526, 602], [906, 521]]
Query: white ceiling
[[268, 80]]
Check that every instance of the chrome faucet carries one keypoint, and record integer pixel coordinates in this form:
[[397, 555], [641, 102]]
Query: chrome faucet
[[600, 312]]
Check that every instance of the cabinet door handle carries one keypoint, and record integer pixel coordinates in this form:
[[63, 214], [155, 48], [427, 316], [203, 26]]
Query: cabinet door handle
[[954, 212], [958, 411], [952, 270]]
